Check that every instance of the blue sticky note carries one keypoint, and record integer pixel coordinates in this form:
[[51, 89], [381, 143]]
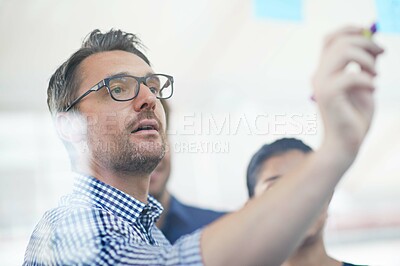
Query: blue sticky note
[[291, 10], [388, 15]]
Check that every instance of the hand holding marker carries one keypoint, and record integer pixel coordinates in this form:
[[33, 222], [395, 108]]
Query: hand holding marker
[[367, 33]]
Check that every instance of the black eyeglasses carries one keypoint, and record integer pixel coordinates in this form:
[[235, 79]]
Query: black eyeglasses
[[124, 88]]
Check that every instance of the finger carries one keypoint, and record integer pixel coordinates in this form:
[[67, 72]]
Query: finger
[[369, 72], [352, 81], [356, 40], [342, 82], [365, 60], [351, 48], [349, 30], [363, 43]]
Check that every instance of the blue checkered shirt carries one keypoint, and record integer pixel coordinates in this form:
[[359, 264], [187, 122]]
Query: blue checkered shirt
[[98, 224]]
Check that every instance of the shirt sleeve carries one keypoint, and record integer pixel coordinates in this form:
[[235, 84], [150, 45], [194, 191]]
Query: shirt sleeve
[[96, 237]]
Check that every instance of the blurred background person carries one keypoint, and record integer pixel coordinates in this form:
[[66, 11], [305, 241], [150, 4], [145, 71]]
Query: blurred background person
[[267, 165], [177, 219]]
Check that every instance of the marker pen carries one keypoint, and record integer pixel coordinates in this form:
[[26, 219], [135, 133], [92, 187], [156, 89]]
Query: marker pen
[[371, 31]]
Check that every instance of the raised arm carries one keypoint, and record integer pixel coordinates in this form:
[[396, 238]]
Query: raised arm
[[270, 227]]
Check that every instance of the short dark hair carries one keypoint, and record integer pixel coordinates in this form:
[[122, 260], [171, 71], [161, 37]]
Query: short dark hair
[[267, 151], [64, 83]]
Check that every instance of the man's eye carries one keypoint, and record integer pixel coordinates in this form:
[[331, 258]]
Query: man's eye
[[116, 90], [153, 90]]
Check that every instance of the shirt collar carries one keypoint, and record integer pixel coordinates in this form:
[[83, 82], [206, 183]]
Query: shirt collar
[[114, 200]]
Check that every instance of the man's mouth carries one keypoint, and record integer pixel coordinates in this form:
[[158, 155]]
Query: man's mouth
[[146, 126]]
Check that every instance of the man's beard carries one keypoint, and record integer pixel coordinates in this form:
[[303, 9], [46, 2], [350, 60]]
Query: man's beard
[[120, 155]]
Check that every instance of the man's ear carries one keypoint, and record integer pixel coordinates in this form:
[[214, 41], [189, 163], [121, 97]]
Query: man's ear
[[70, 127]]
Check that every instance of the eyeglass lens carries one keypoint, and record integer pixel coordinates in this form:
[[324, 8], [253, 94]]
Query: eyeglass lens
[[125, 87]]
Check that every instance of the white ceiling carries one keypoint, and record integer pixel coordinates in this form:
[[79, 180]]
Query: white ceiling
[[213, 48]]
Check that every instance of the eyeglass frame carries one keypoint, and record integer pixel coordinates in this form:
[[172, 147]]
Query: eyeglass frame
[[106, 83]]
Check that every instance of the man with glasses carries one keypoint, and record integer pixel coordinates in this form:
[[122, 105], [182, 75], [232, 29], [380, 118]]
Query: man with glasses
[[105, 100]]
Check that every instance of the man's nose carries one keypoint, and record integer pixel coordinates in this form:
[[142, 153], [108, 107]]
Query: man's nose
[[145, 99]]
